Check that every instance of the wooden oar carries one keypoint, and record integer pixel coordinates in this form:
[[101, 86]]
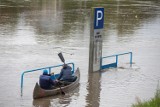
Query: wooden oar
[[62, 92], [63, 60], [61, 57]]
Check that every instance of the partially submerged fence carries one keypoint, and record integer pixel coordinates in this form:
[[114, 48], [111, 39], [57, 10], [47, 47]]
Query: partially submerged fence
[[41, 69], [103, 66], [114, 64]]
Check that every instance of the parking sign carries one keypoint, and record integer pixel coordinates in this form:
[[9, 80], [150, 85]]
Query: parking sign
[[98, 18]]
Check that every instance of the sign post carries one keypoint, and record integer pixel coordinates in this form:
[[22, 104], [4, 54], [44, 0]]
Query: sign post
[[96, 33]]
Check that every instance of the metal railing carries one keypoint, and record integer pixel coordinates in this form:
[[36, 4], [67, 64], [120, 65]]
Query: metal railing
[[40, 69], [115, 64]]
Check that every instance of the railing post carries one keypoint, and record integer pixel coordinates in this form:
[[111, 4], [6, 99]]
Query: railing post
[[116, 60], [101, 63], [130, 59], [73, 67], [22, 83], [49, 70]]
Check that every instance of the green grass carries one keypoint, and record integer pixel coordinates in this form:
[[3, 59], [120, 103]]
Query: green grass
[[153, 102]]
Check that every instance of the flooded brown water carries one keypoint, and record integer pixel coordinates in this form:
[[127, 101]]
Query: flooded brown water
[[32, 32]]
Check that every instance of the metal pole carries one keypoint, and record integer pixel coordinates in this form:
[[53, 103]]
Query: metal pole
[[101, 63], [116, 60], [96, 34], [49, 70], [22, 80], [91, 46], [130, 59]]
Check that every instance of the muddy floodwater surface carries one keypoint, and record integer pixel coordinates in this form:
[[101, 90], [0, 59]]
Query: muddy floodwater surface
[[32, 32]]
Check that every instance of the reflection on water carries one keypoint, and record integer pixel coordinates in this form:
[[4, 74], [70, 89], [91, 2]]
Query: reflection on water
[[94, 88], [56, 101], [60, 17], [30, 31]]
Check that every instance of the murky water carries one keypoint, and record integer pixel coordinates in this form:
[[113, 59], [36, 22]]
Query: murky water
[[32, 32]]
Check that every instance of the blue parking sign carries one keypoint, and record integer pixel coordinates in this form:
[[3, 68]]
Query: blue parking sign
[[98, 18]]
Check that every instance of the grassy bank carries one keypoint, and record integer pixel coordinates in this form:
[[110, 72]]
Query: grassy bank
[[154, 102]]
